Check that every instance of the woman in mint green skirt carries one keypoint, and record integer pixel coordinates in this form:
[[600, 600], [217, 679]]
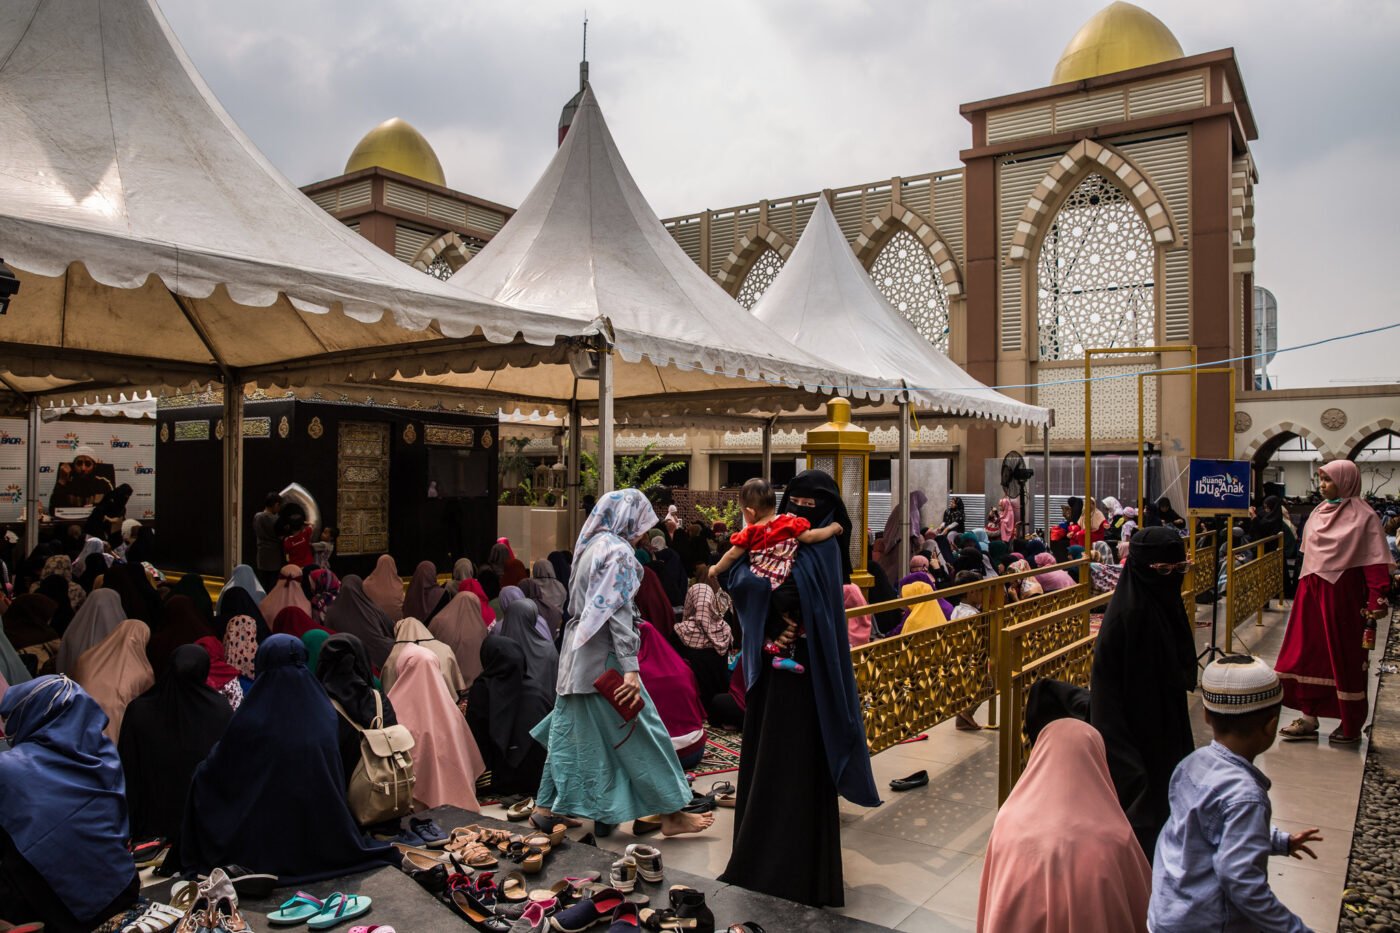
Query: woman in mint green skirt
[[597, 767]]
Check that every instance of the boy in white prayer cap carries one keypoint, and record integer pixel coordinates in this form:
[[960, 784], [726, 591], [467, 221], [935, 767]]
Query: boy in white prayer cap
[[1211, 867]]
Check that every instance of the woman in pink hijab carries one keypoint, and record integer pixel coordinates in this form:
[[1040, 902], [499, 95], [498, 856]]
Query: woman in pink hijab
[[446, 761], [1006, 519], [1341, 589], [859, 626], [384, 587], [286, 592], [1052, 580], [1062, 857]]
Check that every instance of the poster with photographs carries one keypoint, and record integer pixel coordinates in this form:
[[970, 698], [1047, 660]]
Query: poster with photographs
[[79, 461]]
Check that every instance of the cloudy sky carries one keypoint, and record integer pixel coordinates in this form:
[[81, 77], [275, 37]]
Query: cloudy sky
[[727, 101]]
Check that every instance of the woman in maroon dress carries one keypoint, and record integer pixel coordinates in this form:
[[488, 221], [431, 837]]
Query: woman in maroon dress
[[1343, 581]]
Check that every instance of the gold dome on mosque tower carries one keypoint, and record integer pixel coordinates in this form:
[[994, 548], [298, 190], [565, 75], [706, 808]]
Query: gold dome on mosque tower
[[398, 147], [1118, 37]]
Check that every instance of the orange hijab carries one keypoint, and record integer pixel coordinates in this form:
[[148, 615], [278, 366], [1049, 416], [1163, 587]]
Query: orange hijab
[[1062, 855], [115, 671]]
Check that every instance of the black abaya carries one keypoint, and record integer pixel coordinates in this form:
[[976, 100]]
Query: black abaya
[[785, 788], [166, 733], [1144, 664], [505, 703]]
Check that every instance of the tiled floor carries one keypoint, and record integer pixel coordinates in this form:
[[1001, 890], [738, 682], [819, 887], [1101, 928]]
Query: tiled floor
[[915, 863]]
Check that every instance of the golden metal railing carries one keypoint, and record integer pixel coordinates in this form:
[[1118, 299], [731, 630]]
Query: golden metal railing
[[1058, 645], [1203, 570], [1253, 583], [910, 683]]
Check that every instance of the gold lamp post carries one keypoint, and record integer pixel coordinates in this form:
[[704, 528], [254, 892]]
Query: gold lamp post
[[841, 450]]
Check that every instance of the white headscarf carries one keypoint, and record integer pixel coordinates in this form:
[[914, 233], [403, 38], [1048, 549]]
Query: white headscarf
[[92, 547], [604, 552], [242, 578]]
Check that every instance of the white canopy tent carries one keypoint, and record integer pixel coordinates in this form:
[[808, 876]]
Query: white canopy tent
[[156, 247], [586, 245], [824, 301]]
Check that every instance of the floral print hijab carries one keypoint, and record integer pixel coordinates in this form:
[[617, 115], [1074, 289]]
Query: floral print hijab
[[241, 644], [609, 573]]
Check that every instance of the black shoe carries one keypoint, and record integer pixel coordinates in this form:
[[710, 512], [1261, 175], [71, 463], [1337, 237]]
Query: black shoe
[[917, 779], [699, 803], [602, 830]]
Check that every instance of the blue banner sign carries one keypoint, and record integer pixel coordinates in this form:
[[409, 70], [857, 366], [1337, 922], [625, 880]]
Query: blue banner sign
[[1219, 486]]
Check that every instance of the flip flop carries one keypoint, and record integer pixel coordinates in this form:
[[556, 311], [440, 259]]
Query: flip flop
[[374, 928], [298, 908], [339, 908]]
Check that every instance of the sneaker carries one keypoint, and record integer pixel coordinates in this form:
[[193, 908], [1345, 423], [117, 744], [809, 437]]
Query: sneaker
[[432, 835], [534, 919], [648, 859], [223, 913], [623, 874], [408, 836], [588, 912], [626, 919]]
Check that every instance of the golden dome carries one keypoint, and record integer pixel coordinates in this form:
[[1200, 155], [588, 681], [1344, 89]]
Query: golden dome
[[1116, 38], [397, 146]]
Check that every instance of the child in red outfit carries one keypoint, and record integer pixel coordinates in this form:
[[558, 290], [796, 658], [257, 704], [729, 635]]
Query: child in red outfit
[[771, 541]]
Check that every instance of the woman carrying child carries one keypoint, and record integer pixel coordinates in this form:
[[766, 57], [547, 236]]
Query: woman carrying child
[[804, 739]]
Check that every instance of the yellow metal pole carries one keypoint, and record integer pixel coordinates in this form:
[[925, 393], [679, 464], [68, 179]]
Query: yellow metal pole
[[1086, 513], [1141, 430]]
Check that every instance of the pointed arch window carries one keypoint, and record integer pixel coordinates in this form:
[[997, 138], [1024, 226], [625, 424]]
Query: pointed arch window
[[762, 271], [904, 272], [1097, 273], [440, 268]]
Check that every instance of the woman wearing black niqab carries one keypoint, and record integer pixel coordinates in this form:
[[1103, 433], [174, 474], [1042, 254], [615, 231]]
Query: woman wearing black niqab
[[166, 732], [343, 670], [271, 795], [1144, 665], [804, 737], [505, 703]]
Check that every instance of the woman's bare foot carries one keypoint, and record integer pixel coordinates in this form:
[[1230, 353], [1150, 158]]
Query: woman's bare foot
[[677, 824], [965, 723]]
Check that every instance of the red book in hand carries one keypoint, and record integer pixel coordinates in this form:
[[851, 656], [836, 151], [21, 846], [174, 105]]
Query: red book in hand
[[607, 686]]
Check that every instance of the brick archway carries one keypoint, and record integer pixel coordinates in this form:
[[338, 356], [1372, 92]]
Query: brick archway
[[1367, 433], [1288, 427], [751, 244], [449, 246], [894, 218], [1059, 181]]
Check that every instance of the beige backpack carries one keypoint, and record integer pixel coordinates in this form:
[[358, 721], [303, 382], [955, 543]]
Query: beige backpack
[[381, 787]]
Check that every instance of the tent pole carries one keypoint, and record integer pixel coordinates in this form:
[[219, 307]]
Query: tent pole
[[31, 480], [571, 474], [1045, 472], [233, 473], [768, 449], [905, 523], [605, 422]]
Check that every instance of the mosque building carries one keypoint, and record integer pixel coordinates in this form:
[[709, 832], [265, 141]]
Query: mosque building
[[1111, 208]]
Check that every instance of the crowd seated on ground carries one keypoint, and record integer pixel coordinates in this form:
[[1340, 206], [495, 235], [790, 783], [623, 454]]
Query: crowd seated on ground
[[232, 726]]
